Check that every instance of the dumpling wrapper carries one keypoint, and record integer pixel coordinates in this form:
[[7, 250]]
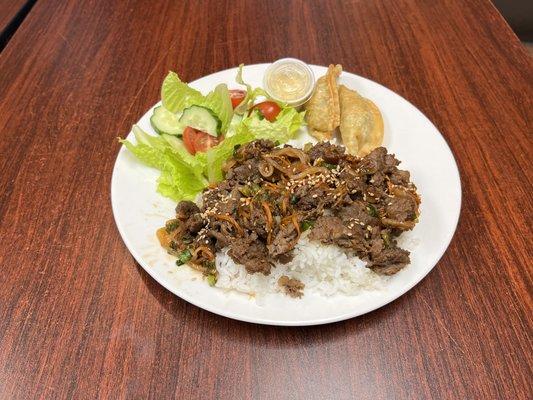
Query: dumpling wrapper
[[361, 123], [322, 109]]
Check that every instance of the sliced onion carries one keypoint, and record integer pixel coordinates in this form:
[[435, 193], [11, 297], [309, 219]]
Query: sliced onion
[[265, 169]]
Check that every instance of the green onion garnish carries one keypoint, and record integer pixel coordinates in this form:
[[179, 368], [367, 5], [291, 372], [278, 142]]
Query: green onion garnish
[[171, 225], [183, 257], [211, 279], [372, 210], [306, 224]]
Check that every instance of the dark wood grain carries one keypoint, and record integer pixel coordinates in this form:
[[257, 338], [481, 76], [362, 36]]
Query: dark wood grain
[[12, 13], [8, 10], [79, 319]]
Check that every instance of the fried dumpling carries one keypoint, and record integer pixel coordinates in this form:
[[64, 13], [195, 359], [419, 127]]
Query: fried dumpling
[[323, 112], [361, 123]]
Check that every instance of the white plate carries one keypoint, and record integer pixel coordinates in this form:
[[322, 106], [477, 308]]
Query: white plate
[[139, 211]]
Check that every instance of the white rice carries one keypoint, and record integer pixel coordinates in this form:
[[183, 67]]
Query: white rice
[[324, 269]]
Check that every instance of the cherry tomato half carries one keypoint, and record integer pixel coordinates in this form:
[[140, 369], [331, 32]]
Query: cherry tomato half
[[236, 96], [204, 141], [269, 109], [195, 140], [189, 135]]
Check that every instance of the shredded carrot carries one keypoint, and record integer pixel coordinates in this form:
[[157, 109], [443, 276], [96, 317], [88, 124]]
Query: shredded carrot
[[285, 203], [286, 219], [294, 220], [269, 220], [232, 221], [271, 185], [268, 215]]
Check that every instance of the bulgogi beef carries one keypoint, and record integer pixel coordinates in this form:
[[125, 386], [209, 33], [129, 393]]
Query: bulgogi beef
[[271, 195], [291, 286]]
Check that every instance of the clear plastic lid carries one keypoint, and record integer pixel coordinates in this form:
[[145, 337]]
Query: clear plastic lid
[[289, 80]]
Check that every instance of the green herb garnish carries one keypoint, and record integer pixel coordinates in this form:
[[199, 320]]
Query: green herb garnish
[[372, 210], [306, 224], [211, 279], [386, 238], [171, 225], [294, 199], [245, 191], [183, 257], [255, 188], [210, 265], [329, 166]]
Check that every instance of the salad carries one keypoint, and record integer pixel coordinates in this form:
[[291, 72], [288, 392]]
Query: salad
[[197, 133]]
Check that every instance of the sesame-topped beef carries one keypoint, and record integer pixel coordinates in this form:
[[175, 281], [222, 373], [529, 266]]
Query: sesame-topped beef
[[271, 195]]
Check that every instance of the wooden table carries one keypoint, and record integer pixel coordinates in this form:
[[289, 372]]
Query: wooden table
[[79, 319], [12, 13]]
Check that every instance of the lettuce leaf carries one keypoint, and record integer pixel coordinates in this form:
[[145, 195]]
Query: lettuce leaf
[[251, 94], [197, 162], [178, 180], [281, 130], [177, 95], [216, 156], [181, 173], [219, 102]]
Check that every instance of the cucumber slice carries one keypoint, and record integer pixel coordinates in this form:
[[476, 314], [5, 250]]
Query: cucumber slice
[[202, 119], [166, 122]]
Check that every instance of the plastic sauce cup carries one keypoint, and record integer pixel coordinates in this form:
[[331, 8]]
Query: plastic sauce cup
[[290, 81]]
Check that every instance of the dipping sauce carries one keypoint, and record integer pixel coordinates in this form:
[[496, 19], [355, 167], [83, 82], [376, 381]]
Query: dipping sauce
[[289, 80]]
